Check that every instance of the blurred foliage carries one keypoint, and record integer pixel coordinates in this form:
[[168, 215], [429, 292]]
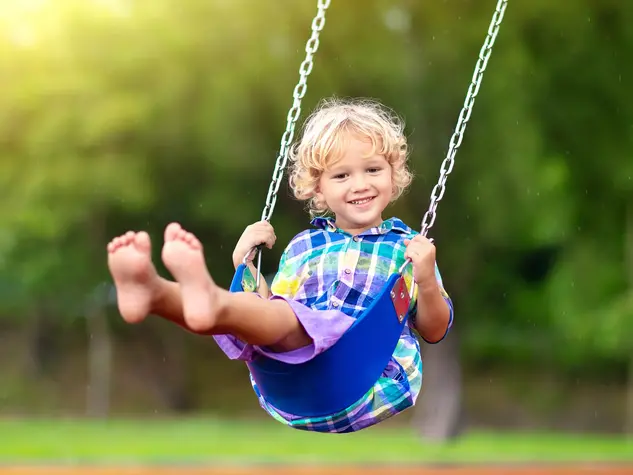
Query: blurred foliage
[[118, 114]]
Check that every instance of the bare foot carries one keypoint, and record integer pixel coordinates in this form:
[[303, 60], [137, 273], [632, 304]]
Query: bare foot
[[183, 256], [130, 263]]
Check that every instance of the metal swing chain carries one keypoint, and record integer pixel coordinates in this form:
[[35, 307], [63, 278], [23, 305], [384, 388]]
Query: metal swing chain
[[299, 92], [295, 111], [447, 165], [456, 140], [464, 115]]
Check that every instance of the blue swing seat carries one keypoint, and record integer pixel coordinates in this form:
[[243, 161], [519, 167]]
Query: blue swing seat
[[341, 375]]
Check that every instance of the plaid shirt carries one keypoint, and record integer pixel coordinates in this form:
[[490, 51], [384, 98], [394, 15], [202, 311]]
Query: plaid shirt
[[328, 269]]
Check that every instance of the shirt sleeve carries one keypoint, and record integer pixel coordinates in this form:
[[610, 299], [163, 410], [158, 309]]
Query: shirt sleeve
[[287, 281]]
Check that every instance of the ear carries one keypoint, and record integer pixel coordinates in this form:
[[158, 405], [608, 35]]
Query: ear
[[317, 192], [318, 196]]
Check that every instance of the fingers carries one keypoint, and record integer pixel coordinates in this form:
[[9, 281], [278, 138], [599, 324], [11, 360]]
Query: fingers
[[418, 248], [418, 240], [261, 232]]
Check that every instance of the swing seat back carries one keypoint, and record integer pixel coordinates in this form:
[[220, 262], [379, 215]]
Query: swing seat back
[[337, 378]]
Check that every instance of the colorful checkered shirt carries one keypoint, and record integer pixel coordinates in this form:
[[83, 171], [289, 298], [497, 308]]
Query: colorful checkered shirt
[[312, 271]]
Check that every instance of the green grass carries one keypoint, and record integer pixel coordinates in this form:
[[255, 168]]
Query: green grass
[[214, 441]]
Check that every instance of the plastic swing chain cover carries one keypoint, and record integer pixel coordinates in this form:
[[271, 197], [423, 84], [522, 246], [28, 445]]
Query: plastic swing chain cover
[[400, 298], [248, 282], [341, 375]]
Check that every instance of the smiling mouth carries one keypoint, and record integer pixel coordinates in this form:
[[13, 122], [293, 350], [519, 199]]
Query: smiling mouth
[[363, 201]]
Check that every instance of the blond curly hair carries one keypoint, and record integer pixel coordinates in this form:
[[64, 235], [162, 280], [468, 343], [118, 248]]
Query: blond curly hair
[[326, 134]]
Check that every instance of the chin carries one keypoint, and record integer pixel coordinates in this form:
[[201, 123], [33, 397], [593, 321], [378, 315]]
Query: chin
[[369, 222]]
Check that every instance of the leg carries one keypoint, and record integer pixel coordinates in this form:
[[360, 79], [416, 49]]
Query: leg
[[140, 290], [209, 309]]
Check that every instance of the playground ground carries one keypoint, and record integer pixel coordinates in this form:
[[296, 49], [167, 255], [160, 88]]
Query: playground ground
[[231, 447], [571, 469]]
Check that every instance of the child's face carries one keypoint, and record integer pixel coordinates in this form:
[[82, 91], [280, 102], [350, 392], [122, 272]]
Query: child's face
[[357, 188]]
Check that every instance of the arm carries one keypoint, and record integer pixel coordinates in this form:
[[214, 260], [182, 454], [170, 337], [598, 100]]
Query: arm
[[287, 280], [434, 313], [254, 235]]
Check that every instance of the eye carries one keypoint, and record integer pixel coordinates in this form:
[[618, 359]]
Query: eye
[[339, 176], [374, 169]]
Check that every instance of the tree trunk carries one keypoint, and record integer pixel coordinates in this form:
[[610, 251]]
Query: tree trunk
[[40, 342], [99, 363], [164, 369], [99, 337], [439, 416]]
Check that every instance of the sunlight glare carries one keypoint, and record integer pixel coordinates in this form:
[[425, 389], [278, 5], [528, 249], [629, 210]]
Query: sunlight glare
[[23, 21]]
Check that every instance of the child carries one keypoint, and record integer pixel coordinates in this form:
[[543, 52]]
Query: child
[[350, 162]]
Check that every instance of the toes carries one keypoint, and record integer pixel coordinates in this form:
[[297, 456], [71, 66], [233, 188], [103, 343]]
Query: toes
[[126, 239], [142, 241], [172, 231], [122, 241], [175, 232], [193, 241], [128, 236]]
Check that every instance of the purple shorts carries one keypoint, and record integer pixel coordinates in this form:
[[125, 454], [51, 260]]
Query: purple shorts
[[325, 327]]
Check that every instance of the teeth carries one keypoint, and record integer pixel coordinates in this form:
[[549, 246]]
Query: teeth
[[360, 202]]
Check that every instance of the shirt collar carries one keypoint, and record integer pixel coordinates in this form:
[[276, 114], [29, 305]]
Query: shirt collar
[[391, 224]]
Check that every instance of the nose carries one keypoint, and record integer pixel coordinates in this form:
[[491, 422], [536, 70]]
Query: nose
[[359, 182]]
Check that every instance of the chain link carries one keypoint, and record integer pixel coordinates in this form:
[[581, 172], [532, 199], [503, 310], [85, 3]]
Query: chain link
[[298, 93], [464, 116], [456, 140], [295, 111]]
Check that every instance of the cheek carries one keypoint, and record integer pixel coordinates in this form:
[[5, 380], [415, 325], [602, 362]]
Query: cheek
[[337, 190], [387, 185]]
